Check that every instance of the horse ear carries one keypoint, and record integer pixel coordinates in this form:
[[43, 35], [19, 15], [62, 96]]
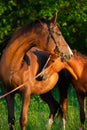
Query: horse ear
[[54, 18], [74, 51]]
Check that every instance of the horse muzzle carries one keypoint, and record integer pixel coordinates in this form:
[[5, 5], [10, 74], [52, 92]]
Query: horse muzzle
[[65, 57]]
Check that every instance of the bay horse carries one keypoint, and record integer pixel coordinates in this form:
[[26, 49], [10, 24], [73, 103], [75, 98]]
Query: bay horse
[[79, 64], [14, 67], [32, 63], [43, 33]]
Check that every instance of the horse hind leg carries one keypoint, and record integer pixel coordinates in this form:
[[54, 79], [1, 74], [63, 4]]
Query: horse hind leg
[[10, 104], [82, 104]]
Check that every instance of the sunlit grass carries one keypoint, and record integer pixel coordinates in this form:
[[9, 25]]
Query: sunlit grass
[[38, 114]]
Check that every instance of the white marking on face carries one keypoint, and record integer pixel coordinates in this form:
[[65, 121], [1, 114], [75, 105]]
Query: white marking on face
[[70, 51]]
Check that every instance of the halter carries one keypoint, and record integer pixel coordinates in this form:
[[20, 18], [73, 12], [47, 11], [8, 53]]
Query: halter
[[62, 55], [52, 36]]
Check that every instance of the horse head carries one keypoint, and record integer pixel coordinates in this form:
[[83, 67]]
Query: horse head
[[52, 36]]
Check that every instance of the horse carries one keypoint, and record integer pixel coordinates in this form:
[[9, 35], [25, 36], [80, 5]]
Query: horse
[[43, 33], [58, 108], [78, 63], [32, 63]]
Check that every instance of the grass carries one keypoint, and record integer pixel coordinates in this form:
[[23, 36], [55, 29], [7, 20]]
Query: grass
[[38, 113]]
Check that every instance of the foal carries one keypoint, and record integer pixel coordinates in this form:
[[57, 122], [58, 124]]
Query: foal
[[79, 65]]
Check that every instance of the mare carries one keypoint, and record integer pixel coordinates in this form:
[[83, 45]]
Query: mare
[[32, 63], [79, 64], [43, 33], [14, 67]]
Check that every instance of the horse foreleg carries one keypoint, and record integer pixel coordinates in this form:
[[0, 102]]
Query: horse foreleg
[[10, 104], [63, 104], [24, 112], [63, 113], [53, 106], [82, 105]]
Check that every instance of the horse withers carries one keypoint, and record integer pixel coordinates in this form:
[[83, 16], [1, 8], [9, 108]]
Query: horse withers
[[78, 64]]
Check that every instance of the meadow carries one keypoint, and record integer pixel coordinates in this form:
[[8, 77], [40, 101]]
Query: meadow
[[38, 113]]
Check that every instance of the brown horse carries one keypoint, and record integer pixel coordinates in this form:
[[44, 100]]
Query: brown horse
[[79, 65], [32, 63], [14, 67], [43, 33], [55, 107]]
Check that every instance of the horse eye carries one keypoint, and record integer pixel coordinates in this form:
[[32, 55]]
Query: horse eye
[[53, 60]]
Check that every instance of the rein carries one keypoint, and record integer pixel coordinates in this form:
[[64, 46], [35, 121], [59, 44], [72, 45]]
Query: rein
[[20, 86]]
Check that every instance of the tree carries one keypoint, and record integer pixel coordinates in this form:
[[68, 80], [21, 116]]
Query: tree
[[72, 17]]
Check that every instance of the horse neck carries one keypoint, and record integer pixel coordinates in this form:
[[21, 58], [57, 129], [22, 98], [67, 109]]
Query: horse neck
[[77, 65], [17, 48]]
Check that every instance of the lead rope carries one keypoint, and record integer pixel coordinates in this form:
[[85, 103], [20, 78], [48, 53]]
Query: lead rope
[[46, 63], [20, 86]]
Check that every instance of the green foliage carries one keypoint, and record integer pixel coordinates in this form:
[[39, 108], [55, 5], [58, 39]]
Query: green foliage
[[72, 16], [38, 113]]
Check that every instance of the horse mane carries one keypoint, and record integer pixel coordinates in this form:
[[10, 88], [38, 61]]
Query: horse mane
[[27, 28]]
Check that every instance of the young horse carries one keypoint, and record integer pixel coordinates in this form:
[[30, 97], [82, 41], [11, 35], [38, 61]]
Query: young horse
[[78, 63], [54, 106], [32, 63]]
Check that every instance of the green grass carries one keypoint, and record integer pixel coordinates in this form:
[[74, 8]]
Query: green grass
[[38, 113]]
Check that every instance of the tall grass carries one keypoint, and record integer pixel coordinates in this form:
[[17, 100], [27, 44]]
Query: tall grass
[[38, 113]]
